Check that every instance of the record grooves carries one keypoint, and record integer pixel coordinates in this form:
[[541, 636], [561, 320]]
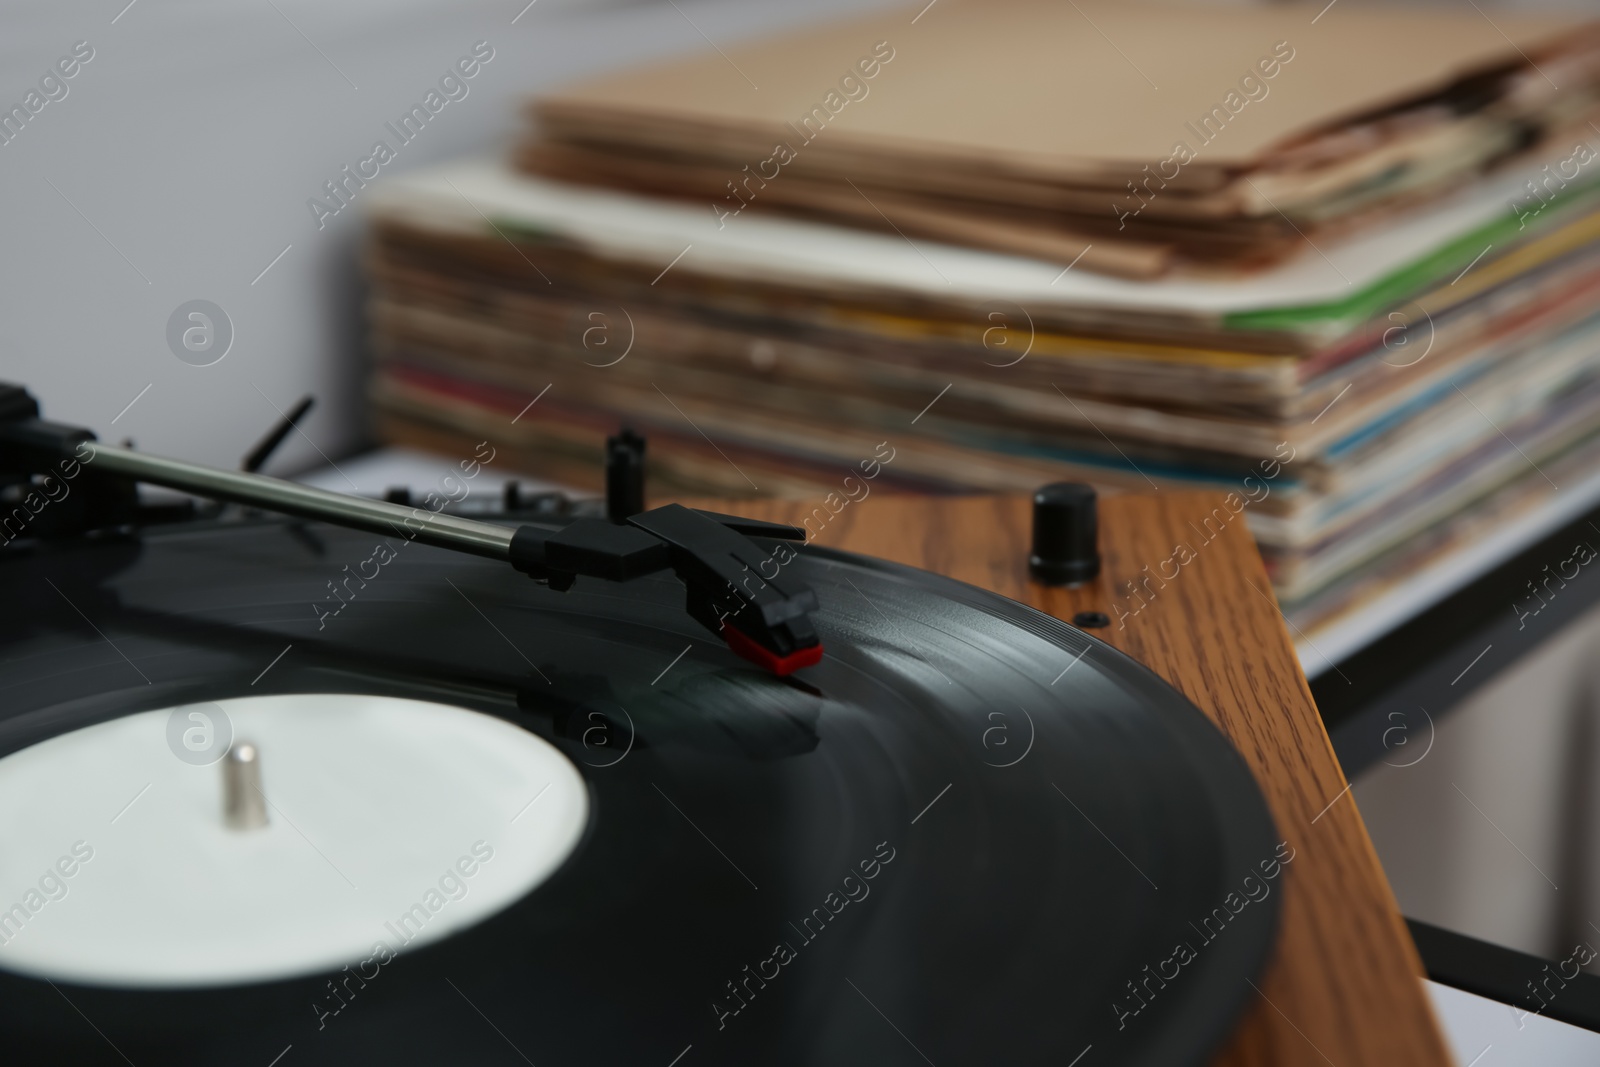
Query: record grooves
[[969, 834]]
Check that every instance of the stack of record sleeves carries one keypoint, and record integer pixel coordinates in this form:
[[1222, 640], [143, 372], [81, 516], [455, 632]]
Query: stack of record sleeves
[[1343, 267]]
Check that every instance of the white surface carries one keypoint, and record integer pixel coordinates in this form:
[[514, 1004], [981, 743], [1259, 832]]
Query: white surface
[[1486, 1033], [654, 232], [375, 473], [372, 803]]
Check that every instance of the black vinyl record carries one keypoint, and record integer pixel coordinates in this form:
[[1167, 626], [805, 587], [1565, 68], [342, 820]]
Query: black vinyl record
[[971, 835]]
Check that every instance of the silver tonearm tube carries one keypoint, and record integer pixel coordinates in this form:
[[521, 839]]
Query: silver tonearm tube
[[290, 498]]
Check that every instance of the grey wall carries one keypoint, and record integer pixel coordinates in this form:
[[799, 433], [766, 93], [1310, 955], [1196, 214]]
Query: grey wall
[[179, 163]]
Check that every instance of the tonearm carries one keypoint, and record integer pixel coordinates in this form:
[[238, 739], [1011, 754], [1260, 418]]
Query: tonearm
[[764, 619]]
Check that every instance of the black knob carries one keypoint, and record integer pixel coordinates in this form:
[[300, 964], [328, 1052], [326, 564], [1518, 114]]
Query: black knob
[[624, 476], [1065, 535]]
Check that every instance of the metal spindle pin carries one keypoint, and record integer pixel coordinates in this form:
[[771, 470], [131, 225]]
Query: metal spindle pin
[[244, 805]]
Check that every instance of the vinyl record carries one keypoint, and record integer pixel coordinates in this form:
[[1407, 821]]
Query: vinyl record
[[971, 834]]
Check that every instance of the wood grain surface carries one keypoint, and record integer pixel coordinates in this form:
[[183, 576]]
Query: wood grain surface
[[1343, 986]]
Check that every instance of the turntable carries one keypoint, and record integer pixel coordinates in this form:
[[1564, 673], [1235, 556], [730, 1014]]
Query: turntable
[[312, 778]]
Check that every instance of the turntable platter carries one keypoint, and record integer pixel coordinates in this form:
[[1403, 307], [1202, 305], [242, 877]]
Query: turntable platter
[[970, 834]]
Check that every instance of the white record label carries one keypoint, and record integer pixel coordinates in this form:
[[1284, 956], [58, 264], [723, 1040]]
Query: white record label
[[390, 823]]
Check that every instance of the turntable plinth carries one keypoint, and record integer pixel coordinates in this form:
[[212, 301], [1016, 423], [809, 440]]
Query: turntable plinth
[[1343, 986]]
